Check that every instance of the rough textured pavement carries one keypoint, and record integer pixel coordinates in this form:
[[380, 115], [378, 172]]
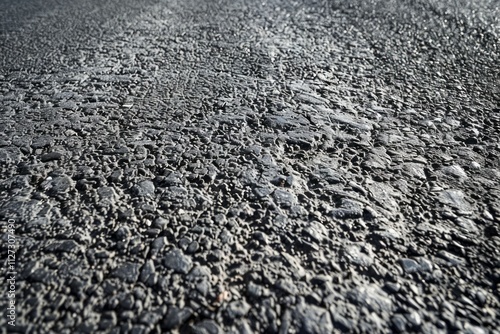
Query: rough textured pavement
[[250, 167]]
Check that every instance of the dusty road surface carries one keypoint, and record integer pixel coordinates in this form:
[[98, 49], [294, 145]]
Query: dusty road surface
[[240, 166]]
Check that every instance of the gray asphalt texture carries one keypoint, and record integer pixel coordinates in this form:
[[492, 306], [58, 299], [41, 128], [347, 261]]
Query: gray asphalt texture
[[251, 167]]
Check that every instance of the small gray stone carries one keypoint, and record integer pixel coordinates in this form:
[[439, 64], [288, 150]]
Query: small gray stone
[[160, 223], [399, 323], [467, 225], [294, 264], [328, 175], [122, 233], [127, 302], [312, 319], [372, 297], [254, 290], [193, 247], [41, 142], [455, 199], [287, 285], [147, 270], [316, 231], [177, 261], [176, 317], [475, 165], [415, 170], [63, 246], [284, 198], [108, 320], [206, 327], [244, 327], [481, 297], [451, 259], [237, 309], [354, 255], [455, 171], [414, 319], [116, 176], [199, 272], [349, 209], [260, 236], [262, 192], [10, 155], [69, 105], [341, 323], [41, 275], [392, 287], [149, 318], [51, 156], [139, 329], [144, 189], [425, 265], [107, 193], [127, 272], [121, 150], [471, 329], [409, 265], [159, 243], [58, 185]]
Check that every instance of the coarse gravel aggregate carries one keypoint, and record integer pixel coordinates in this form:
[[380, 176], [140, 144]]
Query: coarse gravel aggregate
[[303, 166]]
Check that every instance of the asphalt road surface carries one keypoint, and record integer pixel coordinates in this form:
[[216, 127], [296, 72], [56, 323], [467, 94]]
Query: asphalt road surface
[[241, 166]]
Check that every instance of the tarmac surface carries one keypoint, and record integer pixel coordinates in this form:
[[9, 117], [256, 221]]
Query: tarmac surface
[[250, 166]]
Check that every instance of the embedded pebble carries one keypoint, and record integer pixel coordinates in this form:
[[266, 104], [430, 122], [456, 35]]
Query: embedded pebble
[[243, 167], [42, 142], [348, 209], [58, 185], [127, 272], [237, 309], [411, 266], [354, 255], [455, 198], [284, 198], [455, 171], [451, 259], [177, 261], [312, 319], [399, 323], [144, 189], [147, 271], [206, 327], [175, 317], [51, 156], [474, 165], [371, 297]]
